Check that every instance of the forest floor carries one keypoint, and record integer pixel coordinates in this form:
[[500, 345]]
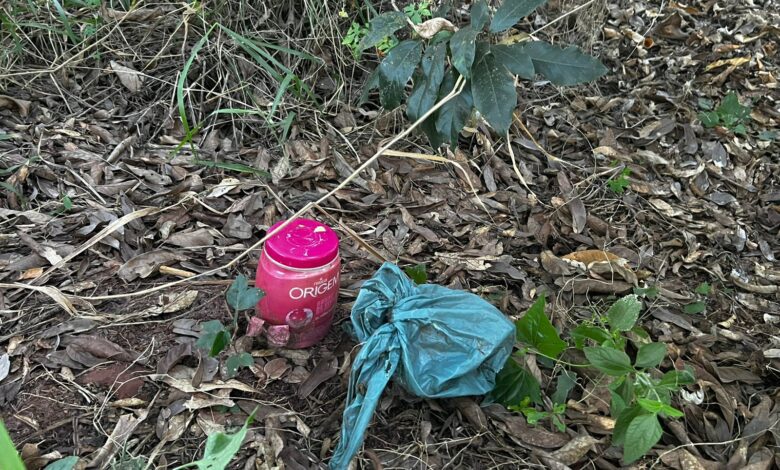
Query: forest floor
[[110, 202]]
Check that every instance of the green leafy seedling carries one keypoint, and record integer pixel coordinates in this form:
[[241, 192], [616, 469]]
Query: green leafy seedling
[[221, 448], [353, 38], [649, 292], [474, 55], [729, 114], [638, 395], [241, 296], [418, 11], [234, 363], [700, 305], [619, 183], [417, 273], [9, 458]]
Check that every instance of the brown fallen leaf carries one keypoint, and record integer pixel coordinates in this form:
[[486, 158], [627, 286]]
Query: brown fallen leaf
[[21, 106], [147, 263], [130, 78], [124, 428], [594, 286], [174, 356], [276, 368], [574, 450], [590, 256], [124, 379], [579, 214], [519, 428], [428, 29], [101, 348], [324, 370]]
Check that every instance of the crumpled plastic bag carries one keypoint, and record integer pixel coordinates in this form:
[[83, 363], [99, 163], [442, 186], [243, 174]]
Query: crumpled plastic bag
[[436, 342]]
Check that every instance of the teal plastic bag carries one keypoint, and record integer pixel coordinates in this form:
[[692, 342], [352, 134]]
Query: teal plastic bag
[[436, 342]]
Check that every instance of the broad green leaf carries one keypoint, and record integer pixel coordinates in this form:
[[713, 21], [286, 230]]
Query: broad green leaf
[[622, 392], [9, 458], [233, 363], [674, 379], [583, 332], [455, 113], [382, 26], [696, 307], [417, 273], [426, 87], [642, 434], [513, 384], [396, 70], [704, 288], [463, 47], [568, 66], [535, 330], [709, 118], [480, 14], [214, 337], [242, 297], [66, 463], [493, 89], [220, 448], [622, 422], [515, 59], [623, 314], [609, 361], [650, 355], [212, 326], [510, 12], [221, 340], [731, 112], [654, 406], [566, 382]]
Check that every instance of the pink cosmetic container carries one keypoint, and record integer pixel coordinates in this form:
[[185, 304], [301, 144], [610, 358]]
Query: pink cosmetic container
[[299, 273]]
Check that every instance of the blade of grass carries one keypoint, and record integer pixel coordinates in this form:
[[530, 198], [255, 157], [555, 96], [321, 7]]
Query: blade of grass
[[65, 21], [183, 78], [279, 95], [239, 167]]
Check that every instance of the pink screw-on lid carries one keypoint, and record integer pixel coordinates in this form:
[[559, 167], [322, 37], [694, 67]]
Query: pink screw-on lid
[[303, 244]]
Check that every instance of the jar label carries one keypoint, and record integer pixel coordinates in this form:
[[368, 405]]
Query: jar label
[[319, 288]]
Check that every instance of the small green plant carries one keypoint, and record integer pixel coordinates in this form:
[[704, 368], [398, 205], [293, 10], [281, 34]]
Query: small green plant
[[216, 337], [729, 114], [649, 292], [474, 53], [352, 39], [417, 273], [700, 305], [418, 11], [220, 448], [619, 183], [639, 392]]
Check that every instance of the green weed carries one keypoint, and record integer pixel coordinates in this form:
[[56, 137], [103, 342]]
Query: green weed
[[476, 54], [216, 337], [729, 114], [619, 183], [639, 393]]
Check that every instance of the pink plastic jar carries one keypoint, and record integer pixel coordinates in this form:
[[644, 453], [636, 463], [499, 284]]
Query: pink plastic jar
[[299, 272]]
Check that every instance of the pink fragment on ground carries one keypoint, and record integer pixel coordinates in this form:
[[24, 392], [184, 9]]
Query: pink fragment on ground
[[278, 335], [255, 327]]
